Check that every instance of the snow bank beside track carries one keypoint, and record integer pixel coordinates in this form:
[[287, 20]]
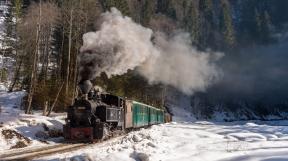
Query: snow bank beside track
[[198, 141], [19, 130]]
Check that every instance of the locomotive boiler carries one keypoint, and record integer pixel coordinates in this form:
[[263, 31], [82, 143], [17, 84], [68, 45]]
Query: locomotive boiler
[[96, 116]]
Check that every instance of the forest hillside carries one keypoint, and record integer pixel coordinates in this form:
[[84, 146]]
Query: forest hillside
[[41, 40]]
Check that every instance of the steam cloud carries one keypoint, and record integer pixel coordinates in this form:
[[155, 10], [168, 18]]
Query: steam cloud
[[121, 44]]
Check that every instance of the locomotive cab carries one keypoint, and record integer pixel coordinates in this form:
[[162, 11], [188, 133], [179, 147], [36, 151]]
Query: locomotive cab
[[111, 111]]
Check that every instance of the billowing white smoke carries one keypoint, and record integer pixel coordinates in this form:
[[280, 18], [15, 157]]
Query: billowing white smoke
[[121, 44], [180, 65]]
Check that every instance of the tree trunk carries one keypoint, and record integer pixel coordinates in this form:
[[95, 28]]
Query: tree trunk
[[45, 108], [60, 58], [34, 70], [16, 75], [163, 96], [44, 58], [48, 39], [56, 98], [75, 77], [33, 77], [69, 53]]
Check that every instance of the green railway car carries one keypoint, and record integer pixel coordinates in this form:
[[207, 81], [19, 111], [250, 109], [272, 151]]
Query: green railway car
[[152, 116], [144, 115], [160, 117], [140, 114]]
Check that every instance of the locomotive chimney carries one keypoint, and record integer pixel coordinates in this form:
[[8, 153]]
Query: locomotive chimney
[[85, 86]]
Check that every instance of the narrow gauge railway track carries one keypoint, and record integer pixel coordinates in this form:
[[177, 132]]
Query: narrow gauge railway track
[[30, 153], [26, 154]]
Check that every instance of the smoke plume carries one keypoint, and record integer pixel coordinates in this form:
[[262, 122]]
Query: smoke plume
[[121, 44]]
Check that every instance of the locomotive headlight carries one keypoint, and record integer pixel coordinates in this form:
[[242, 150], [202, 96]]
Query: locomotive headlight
[[81, 108]]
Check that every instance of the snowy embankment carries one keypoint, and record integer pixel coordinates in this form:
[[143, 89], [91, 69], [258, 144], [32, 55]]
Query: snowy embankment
[[19, 130], [198, 141]]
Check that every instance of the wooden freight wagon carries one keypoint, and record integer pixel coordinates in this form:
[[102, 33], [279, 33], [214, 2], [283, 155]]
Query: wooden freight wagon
[[128, 118], [168, 117]]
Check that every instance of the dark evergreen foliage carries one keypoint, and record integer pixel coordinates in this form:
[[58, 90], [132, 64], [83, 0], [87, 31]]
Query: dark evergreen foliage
[[220, 25]]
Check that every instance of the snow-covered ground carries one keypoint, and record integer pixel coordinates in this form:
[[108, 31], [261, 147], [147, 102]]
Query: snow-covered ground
[[198, 141], [176, 141], [20, 130]]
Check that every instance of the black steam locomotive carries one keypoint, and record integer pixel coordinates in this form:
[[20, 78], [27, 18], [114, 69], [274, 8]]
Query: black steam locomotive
[[96, 116]]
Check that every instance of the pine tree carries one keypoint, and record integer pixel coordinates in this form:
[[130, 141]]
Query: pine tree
[[227, 24], [192, 22], [258, 21], [147, 12], [11, 21], [206, 23], [247, 29], [167, 8], [12, 33], [121, 5], [264, 24], [265, 29]]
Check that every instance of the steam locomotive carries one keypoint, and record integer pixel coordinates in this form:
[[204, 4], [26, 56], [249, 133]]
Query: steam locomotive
[[97, 116]]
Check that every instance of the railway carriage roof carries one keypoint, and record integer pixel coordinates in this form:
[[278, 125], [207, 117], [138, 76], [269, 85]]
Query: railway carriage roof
[[135, 102]]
